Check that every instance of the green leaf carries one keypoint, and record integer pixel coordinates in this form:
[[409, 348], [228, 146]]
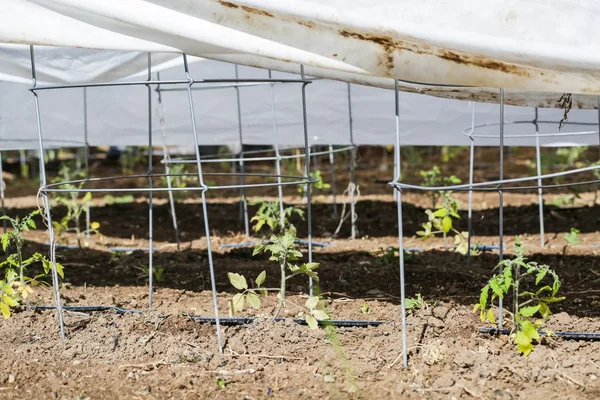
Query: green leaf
[[483, 298], [5, 241], [312, 302], [530, 331], [238, 281], [310, 320], [87, 197], [260, 279], [238, 302], [490, 316], [529, 311], [311, 265], [60, 270], [540, 276], [10, 301], [8, 289], [525, 349], [253, 300], [544, 310], [440, 213], [320, 315], [446, 224], [6, 311], [552, 299]]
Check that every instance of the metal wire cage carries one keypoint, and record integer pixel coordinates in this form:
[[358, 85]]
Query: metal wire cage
[[107, 184]]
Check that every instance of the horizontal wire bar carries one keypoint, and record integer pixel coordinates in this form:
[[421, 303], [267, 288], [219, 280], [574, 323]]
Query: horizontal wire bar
[[164, 82], [498, 182], [251, 159], [400, 186]]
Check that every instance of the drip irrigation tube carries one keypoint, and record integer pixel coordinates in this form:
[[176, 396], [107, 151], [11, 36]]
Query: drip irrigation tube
[[418, 249], [91, 309], [298, 241], [565, 335], [245, 321], [222, 321]]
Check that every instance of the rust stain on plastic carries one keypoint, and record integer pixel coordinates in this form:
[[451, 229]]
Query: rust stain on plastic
[[390, 45], [250, 10], [228, 4], [307, 24], [482, 62]]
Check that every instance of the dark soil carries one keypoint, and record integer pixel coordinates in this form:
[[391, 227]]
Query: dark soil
[[162, 354]]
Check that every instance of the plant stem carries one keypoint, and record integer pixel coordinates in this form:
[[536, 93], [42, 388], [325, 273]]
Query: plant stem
[[282, 289], [516, 295]]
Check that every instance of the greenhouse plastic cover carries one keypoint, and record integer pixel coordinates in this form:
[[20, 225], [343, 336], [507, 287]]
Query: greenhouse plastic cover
[[119, 115], [520, 45]]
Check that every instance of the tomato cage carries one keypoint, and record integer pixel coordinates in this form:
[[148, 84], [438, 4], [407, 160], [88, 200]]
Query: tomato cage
[[107, 184], [276, 154], [500, 185]]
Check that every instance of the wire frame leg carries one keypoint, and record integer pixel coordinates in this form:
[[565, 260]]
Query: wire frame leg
[[204, 208], [43, 182], [150, 200], [352, 166], [538, 160], [86, 158], [4, 227], [400, 228], [332, 171], [308, 185], [167, 157], [470, 211], [243, 201], [501, 205], [277, 155]]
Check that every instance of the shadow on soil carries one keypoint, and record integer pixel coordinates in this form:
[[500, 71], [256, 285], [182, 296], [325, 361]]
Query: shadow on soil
[[437, 275], [375, 219]]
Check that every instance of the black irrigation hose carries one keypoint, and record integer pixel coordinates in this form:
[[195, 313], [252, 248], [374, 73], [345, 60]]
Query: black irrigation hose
[[564, 335], [223, 321], [245, 321], [90, 309]]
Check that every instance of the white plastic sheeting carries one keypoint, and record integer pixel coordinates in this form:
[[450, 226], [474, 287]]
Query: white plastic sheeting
[[118, 115], [520, 45]]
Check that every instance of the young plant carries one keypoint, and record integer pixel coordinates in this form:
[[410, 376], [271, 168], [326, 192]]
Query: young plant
[[109, 199], [16, 287], [389, 256], [572, 237], [269, 215], [526, 304], [319, 185], [418, 303], [565, 200], [131, 158], [440, 221], [434, 178], [178, 180], [75, 206], [246, 295], [157, 273], [282, 250]]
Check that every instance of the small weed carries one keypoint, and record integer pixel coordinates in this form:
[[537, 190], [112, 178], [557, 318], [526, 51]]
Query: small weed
[[108, 199], [572, 237], [418, 303], [364, 308]]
